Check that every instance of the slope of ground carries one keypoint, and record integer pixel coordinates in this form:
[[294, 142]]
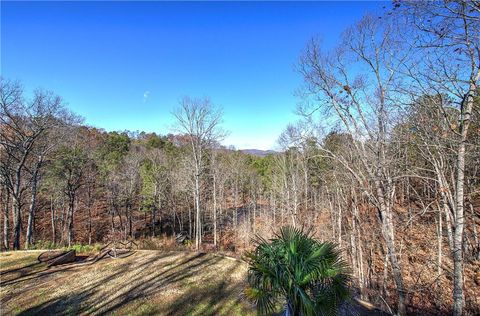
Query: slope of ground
[[145, 283]]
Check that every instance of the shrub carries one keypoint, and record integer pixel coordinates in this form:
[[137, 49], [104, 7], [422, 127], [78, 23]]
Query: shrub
[[307, 276], [43, 244], [80, 248]]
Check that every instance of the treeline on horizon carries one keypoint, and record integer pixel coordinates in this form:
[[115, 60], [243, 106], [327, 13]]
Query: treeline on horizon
[[384, 160]]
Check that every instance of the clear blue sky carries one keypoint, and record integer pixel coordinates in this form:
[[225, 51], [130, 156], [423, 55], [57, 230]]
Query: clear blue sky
[[125, 65]]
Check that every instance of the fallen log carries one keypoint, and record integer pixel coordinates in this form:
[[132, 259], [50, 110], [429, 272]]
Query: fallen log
[[68, 257], [182, 237], [119, 253], [100, 255], [113, 253], [50, 255]]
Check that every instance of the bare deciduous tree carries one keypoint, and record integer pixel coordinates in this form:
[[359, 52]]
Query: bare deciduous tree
[[447, 39], [199, 120], [354, 82], [24, 125]]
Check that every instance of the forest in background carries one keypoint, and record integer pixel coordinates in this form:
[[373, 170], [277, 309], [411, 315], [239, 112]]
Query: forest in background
[[384, 160]]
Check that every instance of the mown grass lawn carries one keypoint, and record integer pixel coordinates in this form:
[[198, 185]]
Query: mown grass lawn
[[146, 283]]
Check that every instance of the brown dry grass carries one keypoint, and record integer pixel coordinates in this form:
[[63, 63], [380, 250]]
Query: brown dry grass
[[146, 283]]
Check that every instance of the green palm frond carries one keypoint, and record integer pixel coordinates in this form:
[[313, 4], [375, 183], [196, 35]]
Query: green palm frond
[[308, 276]]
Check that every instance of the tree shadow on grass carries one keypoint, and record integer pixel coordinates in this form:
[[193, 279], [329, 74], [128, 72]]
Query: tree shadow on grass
[[218, 297], [193, 280], [19, 269], [65, 305], [23, 287], [173, 275]]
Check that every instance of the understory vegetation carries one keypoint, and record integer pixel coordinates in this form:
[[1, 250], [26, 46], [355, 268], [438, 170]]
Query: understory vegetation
[[306, 276]]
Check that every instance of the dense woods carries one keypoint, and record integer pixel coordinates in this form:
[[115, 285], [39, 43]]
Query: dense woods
[[383, 160]]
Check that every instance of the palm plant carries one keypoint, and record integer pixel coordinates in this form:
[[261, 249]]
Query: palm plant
[[297, 270]]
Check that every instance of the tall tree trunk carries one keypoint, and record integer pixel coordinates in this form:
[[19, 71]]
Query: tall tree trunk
[[174, 219], [190, 224], [339, 219], [475, 233], [235, 210], [458, 298], [295, 200], [112, 217], [130, 221], [31, 210], [214, 210], [6, 220], [305, 178], [448, 220], [17, 223], [255, 211], [360, 267], [89, 225], [63, 221], [332, 217], [17, 203], [354, 252], [154, 210], [389, 236], [464, 123], [119, 214], [31, 217], [71, 207], [439, 255], [54, 228], [154, 218], [180, 221], [89, 207], [198, 221]]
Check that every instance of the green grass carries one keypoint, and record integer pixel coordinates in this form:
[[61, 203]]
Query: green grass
[[79, 248], [9, 261], [43, 244]]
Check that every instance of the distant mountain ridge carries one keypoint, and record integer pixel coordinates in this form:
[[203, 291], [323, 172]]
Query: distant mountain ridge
[[259, 152]]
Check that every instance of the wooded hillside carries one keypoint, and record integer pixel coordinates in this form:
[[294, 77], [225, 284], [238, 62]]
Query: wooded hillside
[[384, 160]]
